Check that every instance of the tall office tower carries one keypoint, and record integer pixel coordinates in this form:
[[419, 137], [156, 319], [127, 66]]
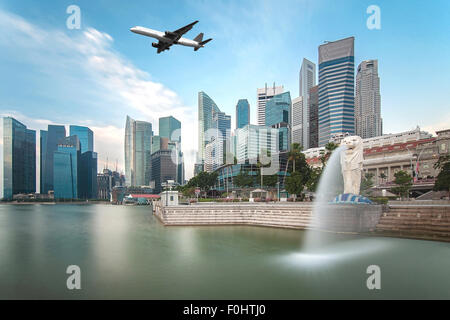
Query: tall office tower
[[206, 108], [242, 113], [297, 121], [138, 151], [170, 130], [49, 144], [214, 155], [88, 175], [66, 168], [278, 110], [222, 122], [19, 158], [253, 141], [262, 95], [163, 168], [87, 180], [336, 89], [368, 100], [307, 81], [314, 117], [159, 143], [218, 141], [169, 127], [86, 137], [177, 158]]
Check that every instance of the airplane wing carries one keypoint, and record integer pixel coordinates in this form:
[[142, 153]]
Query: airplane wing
[[176, 35]]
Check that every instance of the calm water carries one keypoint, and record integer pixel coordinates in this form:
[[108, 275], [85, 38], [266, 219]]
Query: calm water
[[124, 252]]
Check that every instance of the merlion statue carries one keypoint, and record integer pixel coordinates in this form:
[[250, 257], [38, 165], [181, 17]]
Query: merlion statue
[[352, 164]]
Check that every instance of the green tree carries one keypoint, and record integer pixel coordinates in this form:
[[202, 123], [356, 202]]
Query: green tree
[[271, 180], [443, 178], [314, 178], [382, 176], [204, 180], [443, 159], [366, 183], [188, 192], [243, 179], [404, 183], [293, 155], [301, 172], [329, 148], [295, 183]]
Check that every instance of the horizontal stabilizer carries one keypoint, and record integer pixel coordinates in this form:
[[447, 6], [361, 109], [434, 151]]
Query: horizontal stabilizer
[[206, 41], [201, 44]]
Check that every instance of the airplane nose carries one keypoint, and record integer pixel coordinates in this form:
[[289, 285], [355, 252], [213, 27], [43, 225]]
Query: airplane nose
[[134, 29]]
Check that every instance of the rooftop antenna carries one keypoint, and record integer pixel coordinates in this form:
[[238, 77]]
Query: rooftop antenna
[[106, 162]]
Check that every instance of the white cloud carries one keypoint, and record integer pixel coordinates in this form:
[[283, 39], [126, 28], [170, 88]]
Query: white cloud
[[115, 85], [443, 124]]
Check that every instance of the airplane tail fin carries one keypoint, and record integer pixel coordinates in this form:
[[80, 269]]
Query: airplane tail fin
[[199, 38], [202, 43]]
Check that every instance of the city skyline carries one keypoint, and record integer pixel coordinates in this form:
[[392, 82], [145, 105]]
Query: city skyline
[[99, 43]]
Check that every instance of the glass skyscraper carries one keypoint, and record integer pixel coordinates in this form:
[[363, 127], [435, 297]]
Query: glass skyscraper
[[222, 122], [66, 167], [86, 137], [48, 145], [242, 113], [336, 89], [307, 81], [368, 119], [206, 108], [277, 109], [169, 127], [19, 158], [314, 117], [278, 116], [87, 180], [138, 152]]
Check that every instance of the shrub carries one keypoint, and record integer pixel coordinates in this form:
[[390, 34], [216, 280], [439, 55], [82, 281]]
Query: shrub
[[380, 200]]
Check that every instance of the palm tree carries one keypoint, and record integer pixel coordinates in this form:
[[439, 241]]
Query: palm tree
[[293, 155], [329, 148]]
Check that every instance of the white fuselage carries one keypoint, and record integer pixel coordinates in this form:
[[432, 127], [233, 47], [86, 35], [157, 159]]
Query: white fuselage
[[161, 36]]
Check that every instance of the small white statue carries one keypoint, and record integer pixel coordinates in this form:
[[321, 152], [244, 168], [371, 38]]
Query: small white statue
[[352, 164]]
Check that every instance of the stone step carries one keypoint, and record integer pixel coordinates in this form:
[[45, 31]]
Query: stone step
[[418, 228], [413, 221], [425, 211], [241, 212], [240, 220], [238, 216], [232, 222]]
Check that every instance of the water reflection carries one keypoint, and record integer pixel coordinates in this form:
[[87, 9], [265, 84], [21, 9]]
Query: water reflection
[[124, 252]]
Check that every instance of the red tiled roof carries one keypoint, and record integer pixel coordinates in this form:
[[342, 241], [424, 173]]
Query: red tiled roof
[[398, 146]]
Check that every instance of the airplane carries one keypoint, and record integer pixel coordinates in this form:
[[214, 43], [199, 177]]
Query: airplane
[[169, 38]]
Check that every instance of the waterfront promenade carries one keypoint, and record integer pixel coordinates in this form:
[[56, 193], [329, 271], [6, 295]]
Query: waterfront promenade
[[431, 222]]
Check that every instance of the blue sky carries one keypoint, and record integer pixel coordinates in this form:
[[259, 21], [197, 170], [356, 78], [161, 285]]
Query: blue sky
[[97, 75]]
